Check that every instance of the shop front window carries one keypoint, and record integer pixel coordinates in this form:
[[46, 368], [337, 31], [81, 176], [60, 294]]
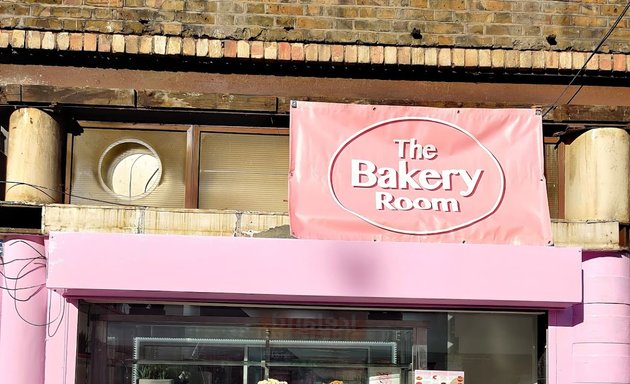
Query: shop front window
[[135, 343]]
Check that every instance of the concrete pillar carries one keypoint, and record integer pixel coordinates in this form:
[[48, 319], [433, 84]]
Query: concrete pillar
[[597, 176], [24, 311], [34, 156]]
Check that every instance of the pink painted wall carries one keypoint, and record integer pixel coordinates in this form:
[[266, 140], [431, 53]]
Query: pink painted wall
[[23, 323], [590, 342], [313, 271]]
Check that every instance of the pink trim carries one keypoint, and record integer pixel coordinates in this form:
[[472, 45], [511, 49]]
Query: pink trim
[[22, 345], [313, 271], [590, 342], [61, 345]]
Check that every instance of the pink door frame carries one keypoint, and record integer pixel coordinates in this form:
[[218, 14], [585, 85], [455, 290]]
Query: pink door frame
[[222, 269]]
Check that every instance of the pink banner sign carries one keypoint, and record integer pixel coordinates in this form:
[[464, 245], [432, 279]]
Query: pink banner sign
[[361, 172]]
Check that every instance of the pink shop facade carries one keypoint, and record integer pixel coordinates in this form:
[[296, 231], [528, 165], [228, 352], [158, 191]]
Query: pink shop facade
[[375, 286]]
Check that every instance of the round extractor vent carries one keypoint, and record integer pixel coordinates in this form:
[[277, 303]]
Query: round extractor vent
[[130, 169]]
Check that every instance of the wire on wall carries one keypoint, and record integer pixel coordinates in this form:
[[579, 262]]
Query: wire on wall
[[32, 264], [599, 45]]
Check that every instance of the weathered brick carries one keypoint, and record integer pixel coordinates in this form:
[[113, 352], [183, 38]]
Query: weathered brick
[[242, 49], [363, 54], [89, 42], [4, 39], [605, 61], [310, 52], [417, 56], [336, 53], [18, 39], [538, 59], [498, 58], [390, 55], [578, 60], [471, 58], [552, 59], [512, 59], [76, 41], [215, 49], [525, 59], [430, 57], [444, 57], [230, 48], [118, 44], [104, 3], [593, 63], [48, 40], [104, 43], [376, 54], [188, 46], [323, 52], [146, 45], [458, 57], [485, 58], [33, 40], [351, 54], [619, 62], [257, 50], [159, 45], [564, 60], [404, 55], [271, 50], [297, 52], [284, 51], [63, 41], [132, 44]]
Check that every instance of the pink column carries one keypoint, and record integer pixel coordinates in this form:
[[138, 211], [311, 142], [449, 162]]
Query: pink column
[[22, 344], [590, 342]]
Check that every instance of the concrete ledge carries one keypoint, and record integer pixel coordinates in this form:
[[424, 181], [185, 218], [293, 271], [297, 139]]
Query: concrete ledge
[[83, 218], [589, 235]]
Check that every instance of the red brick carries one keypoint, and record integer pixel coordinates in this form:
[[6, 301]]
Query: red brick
[[605, 61], [229, 48], [404, 55], [76, 42], [619, 62], [257, 50], [89, 42], [336, 52], [297, 52], [104, 43], [376, 54], [284, 51]]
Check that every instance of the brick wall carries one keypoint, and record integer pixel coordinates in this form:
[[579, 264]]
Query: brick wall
[[507, 24]]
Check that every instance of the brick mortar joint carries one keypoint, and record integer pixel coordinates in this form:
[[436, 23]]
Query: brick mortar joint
[[164, 45]]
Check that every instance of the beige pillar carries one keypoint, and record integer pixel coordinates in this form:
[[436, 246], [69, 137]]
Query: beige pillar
[[34, 157], [597, 176]]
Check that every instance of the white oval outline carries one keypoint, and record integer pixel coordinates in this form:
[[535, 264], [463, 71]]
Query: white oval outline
[[409, 232]]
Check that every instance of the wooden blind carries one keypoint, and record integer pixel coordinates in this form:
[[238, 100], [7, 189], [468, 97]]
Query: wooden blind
[[245, 172]]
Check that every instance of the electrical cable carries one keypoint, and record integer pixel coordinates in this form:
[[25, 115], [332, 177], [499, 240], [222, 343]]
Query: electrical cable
[[38, 288], [601, 42], [41, 189]]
